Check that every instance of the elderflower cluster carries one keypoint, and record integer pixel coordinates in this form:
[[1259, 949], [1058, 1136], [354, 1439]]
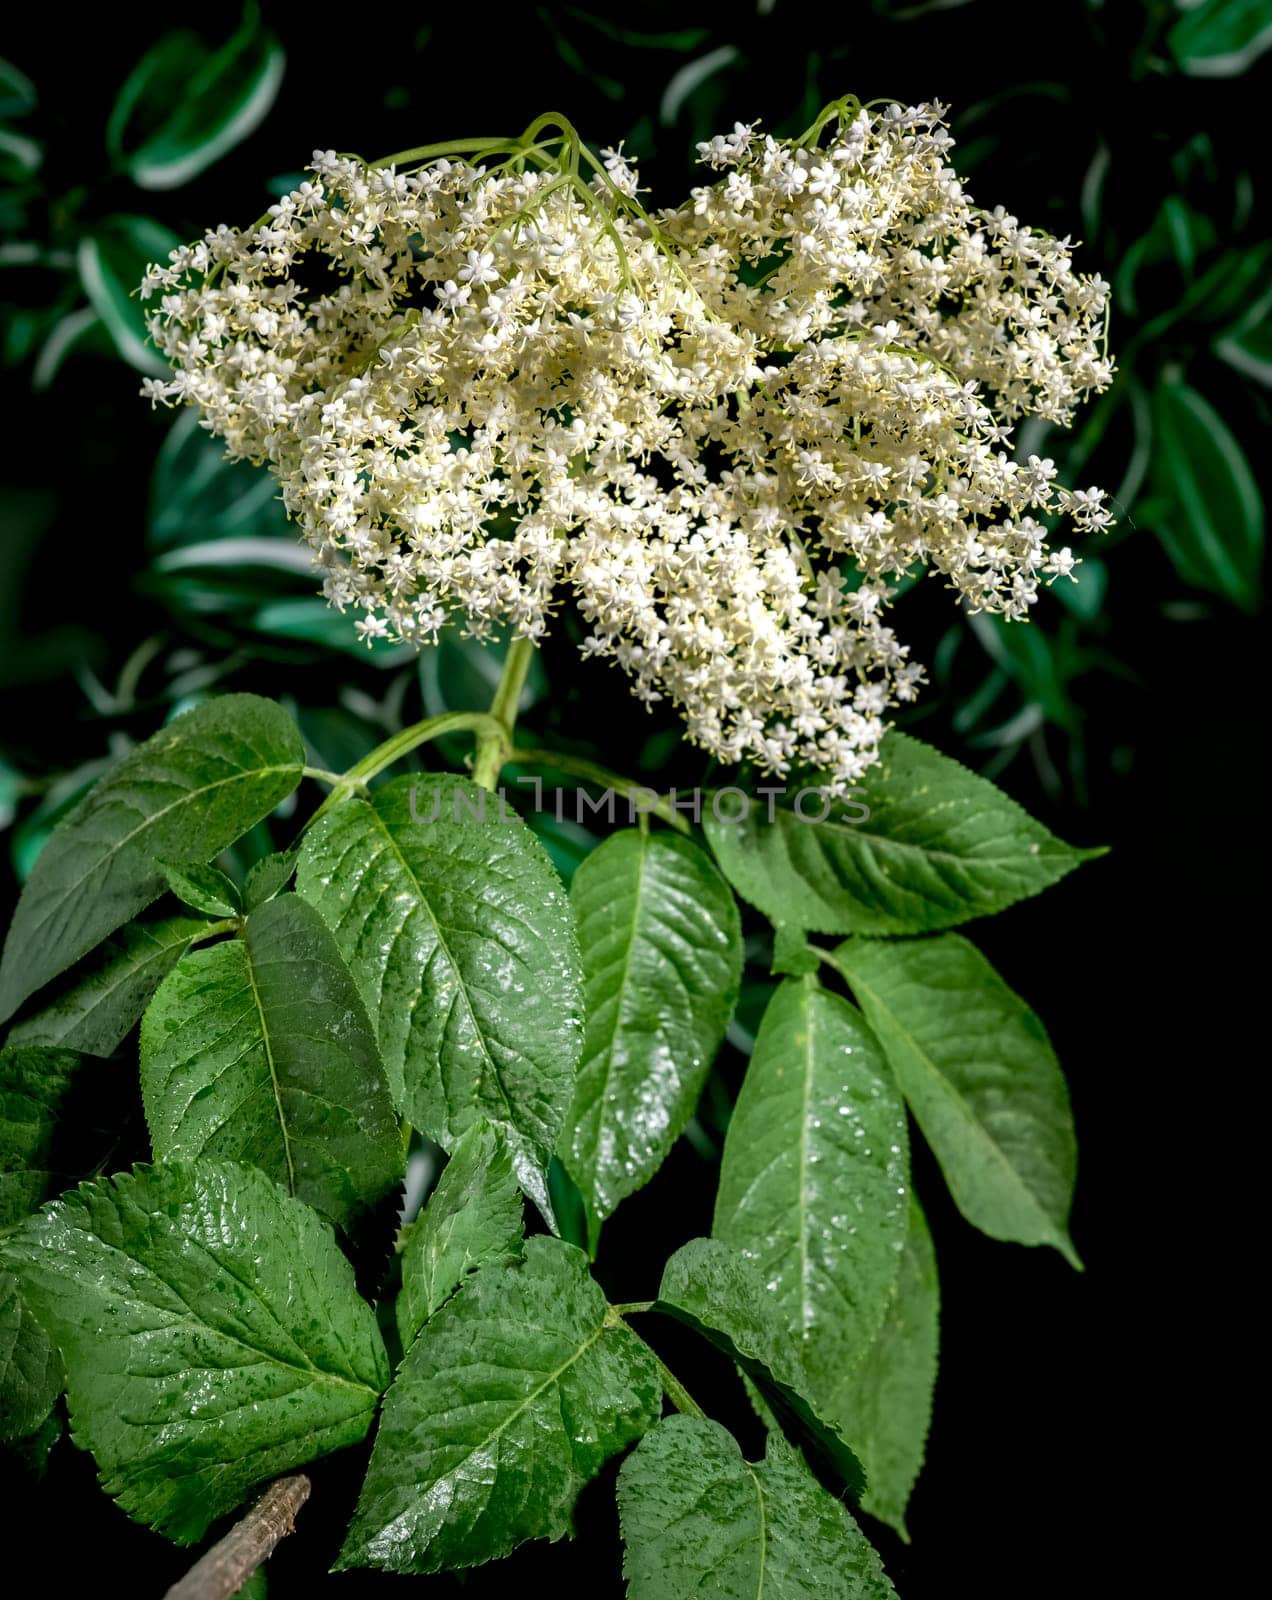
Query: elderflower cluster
[[486, 386]]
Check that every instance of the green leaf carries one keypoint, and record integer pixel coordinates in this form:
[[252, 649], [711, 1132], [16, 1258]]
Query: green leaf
[[211, 1332], [699, 1520], [793, 956], [511, 1399], [940, 846], [20, 157], [460, 937], [268, 878], [1221, 38], [310, 619], [258, 1050], [17, 92], [567, 842], [33, 1081], [33, 1450], [1248, 348], [886, 1404], [112, 260], [982, 1080], [715, 1290], [193, 105], [473, 1218], [815, 1176], [199, 496], [150, 90], [30, 1369], [112, 988], [182, 796], [662, 960], [1215, 533], [205, 888], [21, 1193]]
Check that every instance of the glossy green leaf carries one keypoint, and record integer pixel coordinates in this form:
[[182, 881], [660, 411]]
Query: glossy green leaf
[[461, 940], [473, 1218], [699, 1520], [112, 987], [205, 888], [1221, 38], [1215, 531], [211, 1332], [112, 259], [30, 1368], [512, 1398], [191, 105], [981, 1077], [814, 1182], [717, 1291], [885, 1406], [940, 846], [662, 960], [567, 842], [268, 878], [184, 795], [258, 1050]]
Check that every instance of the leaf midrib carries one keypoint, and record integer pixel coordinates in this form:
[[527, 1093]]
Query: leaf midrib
[[807, 1313], [621, 998], [269, 1060], [460, 980], [523, 1405], [763, 1530]]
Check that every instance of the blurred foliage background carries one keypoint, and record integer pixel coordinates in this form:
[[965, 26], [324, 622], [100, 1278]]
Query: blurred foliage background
[[140, 571]]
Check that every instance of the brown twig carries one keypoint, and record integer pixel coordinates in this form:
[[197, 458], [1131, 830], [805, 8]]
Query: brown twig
[[231, 1561]]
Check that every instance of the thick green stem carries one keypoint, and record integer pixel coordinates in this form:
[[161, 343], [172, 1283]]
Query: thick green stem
[[494, 742], [321, 775], [401, 744]]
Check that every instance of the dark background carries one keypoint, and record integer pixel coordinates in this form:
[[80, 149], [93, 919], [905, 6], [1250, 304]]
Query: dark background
[[1073, 1444]]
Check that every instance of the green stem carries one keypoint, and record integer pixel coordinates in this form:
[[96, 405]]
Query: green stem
[[401, 744], [606, 779], [215, 929], [322, 775], [830, 959], [494, 742], [449, 147]]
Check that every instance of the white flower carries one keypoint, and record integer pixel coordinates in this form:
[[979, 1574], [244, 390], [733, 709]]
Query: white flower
[[483, 390]]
